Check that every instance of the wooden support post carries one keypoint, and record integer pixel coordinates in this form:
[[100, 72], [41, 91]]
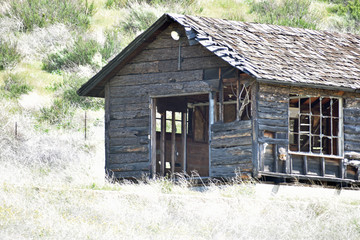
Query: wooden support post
[[173, 149], [85, 123], [183, 139], [221, 98], [153, 138], [238, 98], [276, 157], [305, 165], [342, 168], [322, 166], [162, 144], [212, 95]]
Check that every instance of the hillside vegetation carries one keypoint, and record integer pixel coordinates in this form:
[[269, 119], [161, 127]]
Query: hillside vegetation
[[52, 183]]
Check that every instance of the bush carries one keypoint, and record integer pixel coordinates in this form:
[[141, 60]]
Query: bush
[[81, 53], [62, 110], [139, 18], [351, 9], [14, 86], [9, 56], [287, 13], [45, 12], [112, 44]]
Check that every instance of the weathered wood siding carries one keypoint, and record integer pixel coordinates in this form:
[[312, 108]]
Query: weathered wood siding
[[272, 113], [231, 149], [153, 72], [352, 133]]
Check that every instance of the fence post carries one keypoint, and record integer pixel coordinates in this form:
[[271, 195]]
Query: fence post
[[85, 125]]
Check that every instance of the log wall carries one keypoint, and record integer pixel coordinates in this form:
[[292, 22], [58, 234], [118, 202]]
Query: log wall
[[231, 149], [153, 72]]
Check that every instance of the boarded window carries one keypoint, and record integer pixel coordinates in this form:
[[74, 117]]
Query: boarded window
[[315, 125]]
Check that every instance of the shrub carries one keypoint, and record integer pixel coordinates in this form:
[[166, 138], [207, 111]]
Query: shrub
[[14, 86], [112, 44], [139, 18], [62, 110], [351, 9], [9, 56], [68, 93], [81, 53], [287, 13], [44, 12]]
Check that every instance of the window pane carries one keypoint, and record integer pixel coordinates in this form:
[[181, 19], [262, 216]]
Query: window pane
[[315, 144], [158, 125], [335, 127], [326, 145], [178, 116], [178, 126], [335, 108], [168, 126], [168, 115], [304, 105], [304, 143], [294, 141], [294, 125], [315, 105], [304, 123], [326, 126], [325, 106], [315, 125], [335, 146]]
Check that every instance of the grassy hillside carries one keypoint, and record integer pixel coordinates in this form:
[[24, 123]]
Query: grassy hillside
[[52, 183]]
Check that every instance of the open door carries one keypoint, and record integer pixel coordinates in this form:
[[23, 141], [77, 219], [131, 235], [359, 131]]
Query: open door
[[180, 137]]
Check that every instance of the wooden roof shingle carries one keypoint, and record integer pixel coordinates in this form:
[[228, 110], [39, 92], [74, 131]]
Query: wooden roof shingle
[[269, 53]]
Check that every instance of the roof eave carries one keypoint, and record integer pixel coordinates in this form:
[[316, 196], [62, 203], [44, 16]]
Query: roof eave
[[85, 89], [311, 85]]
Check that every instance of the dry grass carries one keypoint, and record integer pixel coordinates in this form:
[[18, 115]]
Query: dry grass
[[52, 186]]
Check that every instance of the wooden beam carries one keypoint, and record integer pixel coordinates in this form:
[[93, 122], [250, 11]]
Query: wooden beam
[[221, 98], [238, 97], [183, 139], [305, 165], [212, 95], [162, 144], [173, 149], [322, 166], [153, 138]]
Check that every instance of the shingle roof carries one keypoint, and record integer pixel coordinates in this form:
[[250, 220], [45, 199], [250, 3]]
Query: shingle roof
[[280, 54], [270, 53]]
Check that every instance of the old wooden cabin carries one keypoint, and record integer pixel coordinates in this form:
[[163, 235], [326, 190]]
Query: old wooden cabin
[[226, 98]]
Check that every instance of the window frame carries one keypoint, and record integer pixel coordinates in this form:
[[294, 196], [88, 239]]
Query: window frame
[[310, 134]]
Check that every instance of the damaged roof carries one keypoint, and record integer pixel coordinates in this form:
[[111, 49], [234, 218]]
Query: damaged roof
[[269, 53]]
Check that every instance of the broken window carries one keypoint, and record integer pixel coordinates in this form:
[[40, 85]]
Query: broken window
[[315, 125], [233, 95], [168, 120]]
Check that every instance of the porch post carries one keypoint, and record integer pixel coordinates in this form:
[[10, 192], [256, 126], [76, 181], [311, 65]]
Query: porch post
[[153, 138], [162, 144], [183, 139], [212, 95]]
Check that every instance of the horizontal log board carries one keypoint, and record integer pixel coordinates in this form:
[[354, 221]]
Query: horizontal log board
[[129, 114], [122, 167], [160, 54], [129, 141], [128, 132], [129, 106], [172, 65], [160, 89], [129, 149], [229, 171], [272, 115], [231, 142], [352, 137], [128, 158], [138, 122], [130, 174], [156, 78], [231, 148], [278, 105], [128, 100], [352, 129], [236, 125]]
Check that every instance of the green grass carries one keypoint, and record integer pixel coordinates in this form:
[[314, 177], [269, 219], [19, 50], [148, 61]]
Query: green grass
[[9, 55]]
